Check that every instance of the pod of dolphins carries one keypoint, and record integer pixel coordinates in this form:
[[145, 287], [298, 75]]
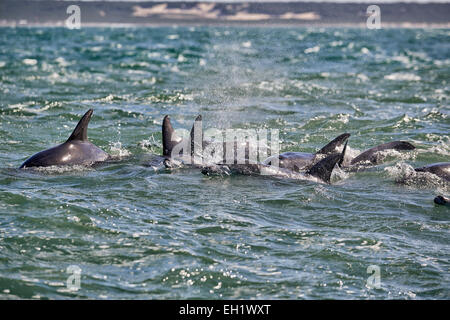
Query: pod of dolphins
[[78, 150]]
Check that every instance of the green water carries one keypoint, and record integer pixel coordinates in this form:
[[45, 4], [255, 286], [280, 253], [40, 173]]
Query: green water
[[141, 233]]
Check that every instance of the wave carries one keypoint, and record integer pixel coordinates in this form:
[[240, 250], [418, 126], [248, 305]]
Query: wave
[[404, 173], [402, 76]]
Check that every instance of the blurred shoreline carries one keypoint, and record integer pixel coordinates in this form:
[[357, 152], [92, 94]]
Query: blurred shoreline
[[306, 14]]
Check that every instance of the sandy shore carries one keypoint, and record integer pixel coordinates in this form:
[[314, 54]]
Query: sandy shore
[[98, 13]]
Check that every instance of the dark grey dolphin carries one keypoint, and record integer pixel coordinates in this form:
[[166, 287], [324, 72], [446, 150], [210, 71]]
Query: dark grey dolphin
[[441, 200], [185, 154], [322, 170], [293, 161], [298, 161], [77, 150], [171, 140], [441, 169], [371, 156]]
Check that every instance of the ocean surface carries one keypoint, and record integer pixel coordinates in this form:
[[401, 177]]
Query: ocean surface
[[136, 231]]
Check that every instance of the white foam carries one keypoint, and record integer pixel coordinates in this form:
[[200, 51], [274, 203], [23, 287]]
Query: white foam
[[29, 62], [62, 62], [362, 77], [62, 169], [402, 76], [117, 150], [405, 173], [312, 50], [150, 144]]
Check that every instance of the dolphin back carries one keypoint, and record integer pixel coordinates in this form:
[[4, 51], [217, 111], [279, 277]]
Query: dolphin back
[[441, 169], [370, 154], [77, 150]]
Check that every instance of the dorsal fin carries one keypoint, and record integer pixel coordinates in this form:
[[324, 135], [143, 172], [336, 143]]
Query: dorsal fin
[[80, 131], [198, 125], [169, 137], [324, 167], [343, 155], [332, 145]]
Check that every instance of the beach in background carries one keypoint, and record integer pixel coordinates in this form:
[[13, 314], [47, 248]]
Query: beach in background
[[113, 13]]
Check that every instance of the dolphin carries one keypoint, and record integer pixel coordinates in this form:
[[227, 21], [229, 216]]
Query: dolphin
[[77, 150], [293, 161], [322, 170], [371, 156], [290, 162], [441, 169], [297, 161], [171, 140], [441, 200]]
